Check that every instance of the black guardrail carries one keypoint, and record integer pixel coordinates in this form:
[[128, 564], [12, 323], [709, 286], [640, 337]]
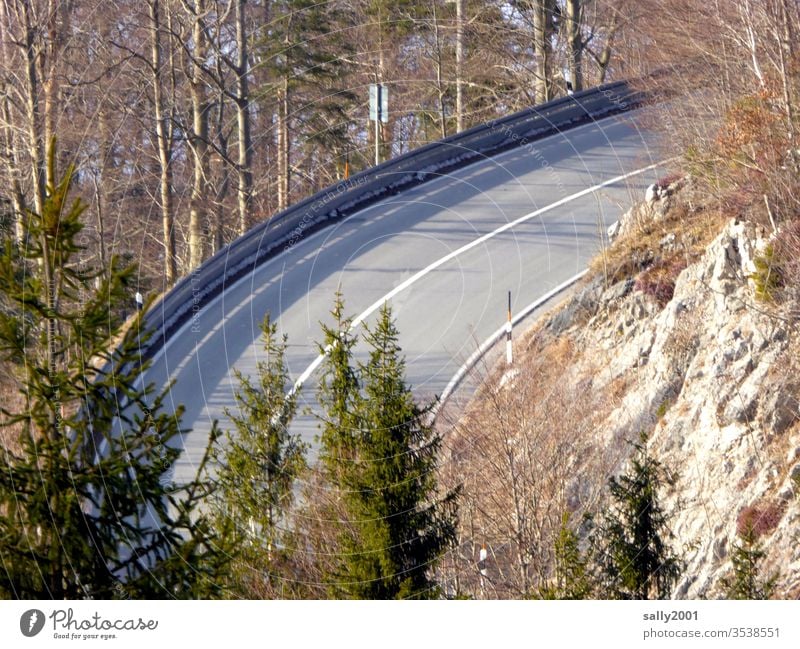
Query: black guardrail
[[286, 228]]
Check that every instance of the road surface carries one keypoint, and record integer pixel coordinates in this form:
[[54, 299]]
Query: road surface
[[442, 314]]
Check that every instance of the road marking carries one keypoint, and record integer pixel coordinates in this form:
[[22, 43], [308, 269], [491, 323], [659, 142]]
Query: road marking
[[563, 136], [487, 344], [469, 246]]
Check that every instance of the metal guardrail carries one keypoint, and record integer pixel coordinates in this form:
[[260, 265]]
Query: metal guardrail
[[287, 228]]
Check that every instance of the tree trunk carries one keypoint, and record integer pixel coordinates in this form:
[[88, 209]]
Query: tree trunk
[[542, 51], [574, 43], [35, 147], [164, 138], [101, 180], [441, 90], [751, 33], [786, 60], [199, 141], [244, 172], [459, 65], [12, 169], [605, 55], [10, 141], [104, 177], [50, 84], [284, 170], [222, 180]]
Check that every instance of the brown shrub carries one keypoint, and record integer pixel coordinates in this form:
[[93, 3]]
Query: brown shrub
[[640, 249], [753, 173], [762, 518], [658, 281], [666, 181], [525, 453]]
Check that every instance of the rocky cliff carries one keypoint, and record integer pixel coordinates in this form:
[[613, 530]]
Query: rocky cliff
[[679, 334]]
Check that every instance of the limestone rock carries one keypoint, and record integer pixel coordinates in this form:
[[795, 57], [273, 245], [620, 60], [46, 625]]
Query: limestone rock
[[700, 379]]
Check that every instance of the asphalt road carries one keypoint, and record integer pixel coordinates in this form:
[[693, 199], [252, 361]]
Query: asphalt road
[[442, 314]]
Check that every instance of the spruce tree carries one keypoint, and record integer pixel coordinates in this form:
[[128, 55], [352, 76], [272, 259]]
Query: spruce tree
[[257, 467], [86, 505], [339, 396], [746, 583], [571, 576], [301, 54], [398, 525], [634, 553]]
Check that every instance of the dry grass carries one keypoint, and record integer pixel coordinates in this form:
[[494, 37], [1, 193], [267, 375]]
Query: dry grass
[[640, 249]]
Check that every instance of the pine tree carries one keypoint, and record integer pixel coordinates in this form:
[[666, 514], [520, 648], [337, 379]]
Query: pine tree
[[634, 554], [257, 468], [86, 507], [398, 526], [745, 583]]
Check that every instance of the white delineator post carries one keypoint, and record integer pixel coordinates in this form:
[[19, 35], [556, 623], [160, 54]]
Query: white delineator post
[[509, 351], [482, 569]]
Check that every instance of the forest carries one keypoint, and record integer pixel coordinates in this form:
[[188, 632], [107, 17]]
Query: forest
[[189, 122]]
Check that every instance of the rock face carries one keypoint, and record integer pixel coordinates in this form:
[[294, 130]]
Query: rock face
[[657, 204], [711, 376]]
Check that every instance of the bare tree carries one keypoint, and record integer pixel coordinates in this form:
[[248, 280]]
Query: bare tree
[[244, 186], [435, 52], [526, 455], [542, 11], [26, 34], [603, 28], [572, 21], [198, 134], [11, 137], [459, 65], [164, 121]]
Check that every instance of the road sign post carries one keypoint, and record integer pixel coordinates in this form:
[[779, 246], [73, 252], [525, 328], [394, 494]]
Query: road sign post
[[377, 125], [378, 112]]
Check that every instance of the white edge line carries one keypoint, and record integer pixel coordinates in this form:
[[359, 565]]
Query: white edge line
[[487, 344], [491, 340], [455, 253]]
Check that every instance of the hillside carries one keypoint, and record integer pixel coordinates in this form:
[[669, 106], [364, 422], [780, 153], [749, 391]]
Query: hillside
[[678, 334]]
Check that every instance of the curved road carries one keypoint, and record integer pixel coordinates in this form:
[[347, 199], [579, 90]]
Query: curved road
[[443, 225]]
